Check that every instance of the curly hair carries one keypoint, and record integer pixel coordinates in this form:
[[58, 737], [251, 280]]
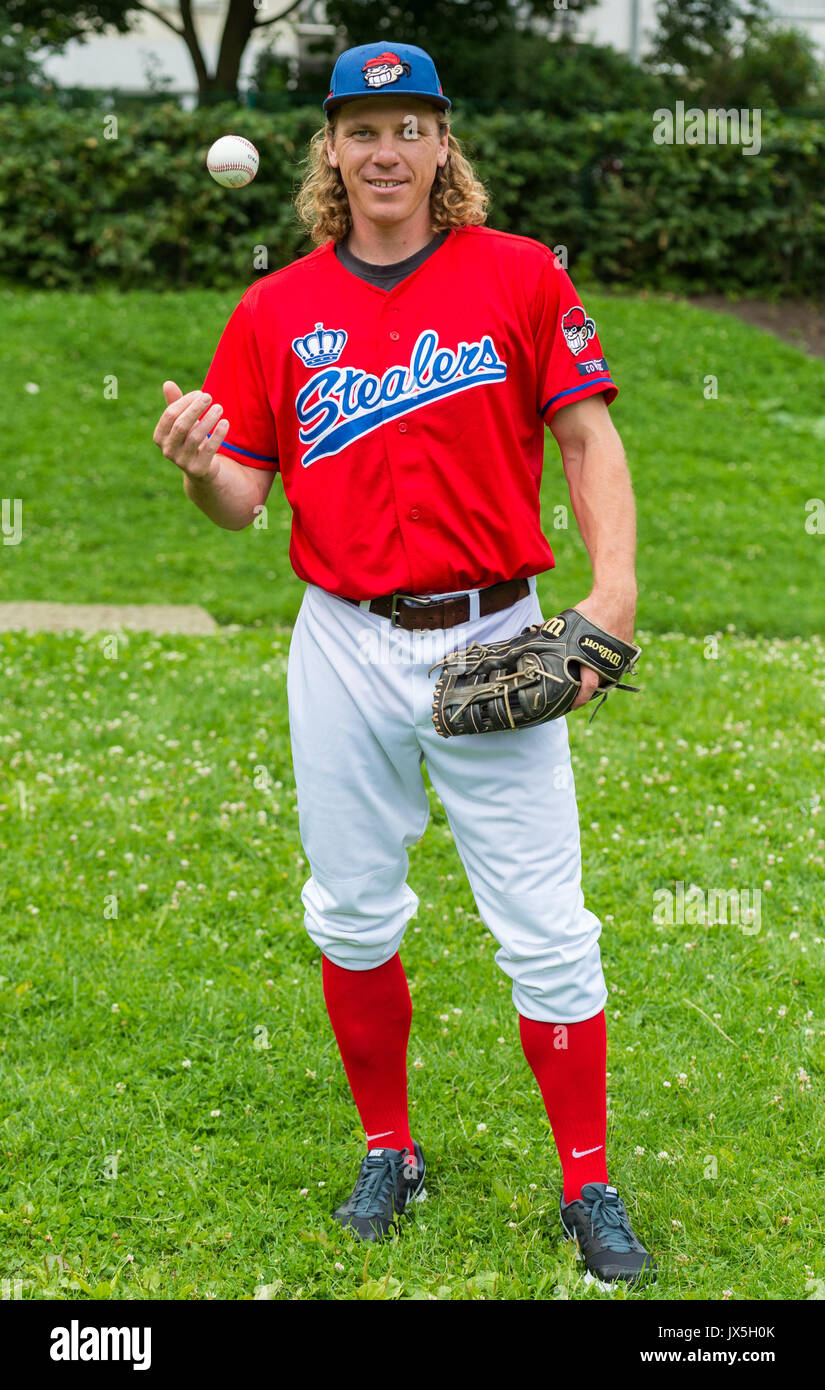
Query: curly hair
[[457, 197]]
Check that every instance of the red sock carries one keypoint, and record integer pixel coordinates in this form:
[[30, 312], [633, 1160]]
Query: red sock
[[371, 1012], [568, 1061]]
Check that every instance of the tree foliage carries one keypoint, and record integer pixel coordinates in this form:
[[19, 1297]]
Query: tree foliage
[[480, 48], [692, 33], [53, 25], [734, 53], [19, 68], [777, 65]]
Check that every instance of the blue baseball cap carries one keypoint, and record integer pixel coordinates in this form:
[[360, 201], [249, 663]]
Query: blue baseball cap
[[397, 69]]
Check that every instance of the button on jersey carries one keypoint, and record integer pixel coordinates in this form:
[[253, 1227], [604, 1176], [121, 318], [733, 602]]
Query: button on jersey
[[408, 426]]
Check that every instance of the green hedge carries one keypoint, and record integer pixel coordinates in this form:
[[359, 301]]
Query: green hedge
[[79, 210]]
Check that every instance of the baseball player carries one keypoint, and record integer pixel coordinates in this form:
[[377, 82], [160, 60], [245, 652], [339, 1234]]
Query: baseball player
[[399, 378]]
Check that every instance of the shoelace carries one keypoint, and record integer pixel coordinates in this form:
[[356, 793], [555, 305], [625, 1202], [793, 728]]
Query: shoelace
[[610, 1222], [618, 686], [369, 1189]]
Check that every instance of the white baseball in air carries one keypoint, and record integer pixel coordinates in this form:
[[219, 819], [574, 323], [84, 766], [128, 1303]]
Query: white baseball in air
[[232, 161]]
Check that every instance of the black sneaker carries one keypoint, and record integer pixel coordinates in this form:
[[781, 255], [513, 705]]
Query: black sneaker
[[599, 1223], [386, 1184]]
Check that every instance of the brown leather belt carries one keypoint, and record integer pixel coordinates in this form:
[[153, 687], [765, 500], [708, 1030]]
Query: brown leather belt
[[410, 611]]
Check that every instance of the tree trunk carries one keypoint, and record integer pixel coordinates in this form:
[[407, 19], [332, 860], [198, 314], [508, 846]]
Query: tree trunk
[[190, 38], [240, 21]]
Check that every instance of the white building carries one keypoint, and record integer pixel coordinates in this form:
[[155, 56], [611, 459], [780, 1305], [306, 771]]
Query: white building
[[152, 54]]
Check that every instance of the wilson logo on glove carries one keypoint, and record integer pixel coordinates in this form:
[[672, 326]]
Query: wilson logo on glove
[[528, 679], [590, 645]]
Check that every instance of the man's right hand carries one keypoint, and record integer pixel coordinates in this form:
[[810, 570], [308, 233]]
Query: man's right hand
[[182, 436]]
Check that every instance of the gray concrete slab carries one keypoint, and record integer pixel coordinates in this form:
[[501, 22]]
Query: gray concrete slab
[[105, 617]]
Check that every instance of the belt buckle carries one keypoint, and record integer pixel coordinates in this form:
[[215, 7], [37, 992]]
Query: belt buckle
[[407, 598]]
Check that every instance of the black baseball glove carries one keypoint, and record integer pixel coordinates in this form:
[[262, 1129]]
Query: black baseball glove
[[530, 678]]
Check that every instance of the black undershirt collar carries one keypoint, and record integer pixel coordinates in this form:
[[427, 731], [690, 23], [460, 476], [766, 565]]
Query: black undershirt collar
[[386, 277]]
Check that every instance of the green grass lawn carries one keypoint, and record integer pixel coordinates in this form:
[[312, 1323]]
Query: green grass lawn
[[175, 1120], [721, 484], [129, 786]]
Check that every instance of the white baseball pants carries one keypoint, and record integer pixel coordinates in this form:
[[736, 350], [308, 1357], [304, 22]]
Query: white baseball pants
[[360, 701]]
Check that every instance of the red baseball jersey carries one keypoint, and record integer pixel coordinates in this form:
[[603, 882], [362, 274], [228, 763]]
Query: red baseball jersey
[[408, 425]]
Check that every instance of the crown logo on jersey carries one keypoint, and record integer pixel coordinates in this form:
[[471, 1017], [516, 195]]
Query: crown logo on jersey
[[322, 346]]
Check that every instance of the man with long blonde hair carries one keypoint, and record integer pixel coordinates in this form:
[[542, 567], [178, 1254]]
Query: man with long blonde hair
[[399, 377]]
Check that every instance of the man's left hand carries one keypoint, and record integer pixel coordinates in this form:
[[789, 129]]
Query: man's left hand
[[617, 616]]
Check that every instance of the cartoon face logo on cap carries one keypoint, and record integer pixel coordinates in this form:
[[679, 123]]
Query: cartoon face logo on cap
[[386, 68], [578, 329]]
